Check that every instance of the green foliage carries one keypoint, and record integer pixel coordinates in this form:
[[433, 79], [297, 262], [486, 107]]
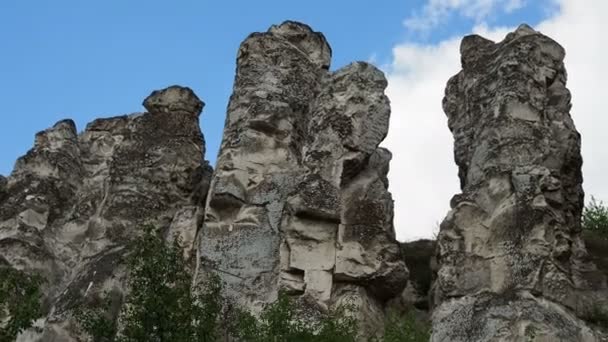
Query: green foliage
[[595, 217], [282, 321], [206, 309], [162, 305], [406, 328], [97, 321], [20, 302]]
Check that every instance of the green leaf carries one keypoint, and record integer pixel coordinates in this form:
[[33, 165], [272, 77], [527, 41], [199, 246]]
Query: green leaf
[[595, 217], [20, 302]]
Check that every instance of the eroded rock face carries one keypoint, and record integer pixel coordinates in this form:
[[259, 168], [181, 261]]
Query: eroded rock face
[[299, 200], [512, 261], [74, 200]]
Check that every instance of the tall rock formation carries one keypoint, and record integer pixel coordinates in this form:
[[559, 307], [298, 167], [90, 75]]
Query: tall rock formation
[[513, 266], [74, 200], [299, 200], [300, 203]]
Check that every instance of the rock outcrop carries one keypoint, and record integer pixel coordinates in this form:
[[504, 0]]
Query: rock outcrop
[[299, 200], [73, 200], [512, 264]]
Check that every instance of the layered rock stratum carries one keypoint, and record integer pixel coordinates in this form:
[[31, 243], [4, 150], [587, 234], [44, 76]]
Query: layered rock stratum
[[299, 201], [512, 263]]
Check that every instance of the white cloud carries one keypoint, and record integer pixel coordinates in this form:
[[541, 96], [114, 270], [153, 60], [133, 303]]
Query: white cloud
[[437, 11], [580, 27], [513, 5], [423, 175]]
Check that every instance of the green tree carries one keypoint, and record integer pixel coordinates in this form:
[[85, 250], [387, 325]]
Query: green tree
[[595, 217], [20, 302], [162, 305], [282, 321], [96, 320]]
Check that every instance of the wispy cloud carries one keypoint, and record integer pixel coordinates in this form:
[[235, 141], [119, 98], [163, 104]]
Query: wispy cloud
[[423, 174], [513, 5], [436, 12]]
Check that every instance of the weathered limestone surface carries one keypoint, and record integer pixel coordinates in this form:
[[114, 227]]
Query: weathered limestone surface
[[300, 203], [74, 200], [512, 264], [299, 200]]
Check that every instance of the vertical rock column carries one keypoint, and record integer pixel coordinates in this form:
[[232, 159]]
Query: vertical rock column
[[512, 262], [278, 76], [299, 201]]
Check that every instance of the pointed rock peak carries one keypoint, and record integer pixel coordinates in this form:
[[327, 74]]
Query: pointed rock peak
[[172, 99], [546, 44], [524, 30], [310, 42], [68, 124], [521, 31], [61, 131], [64, 128]]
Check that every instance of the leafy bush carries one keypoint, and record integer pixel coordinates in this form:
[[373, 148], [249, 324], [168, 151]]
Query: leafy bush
[[97, 321], [595, 217], [282, 321], [162, 306], [20, 302]]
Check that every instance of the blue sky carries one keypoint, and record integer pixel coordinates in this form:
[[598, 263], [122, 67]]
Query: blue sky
[[88, 59]]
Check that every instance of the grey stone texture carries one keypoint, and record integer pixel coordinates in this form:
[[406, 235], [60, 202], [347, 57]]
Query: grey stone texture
[[299, 201], [74, 200], [512, 262]]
